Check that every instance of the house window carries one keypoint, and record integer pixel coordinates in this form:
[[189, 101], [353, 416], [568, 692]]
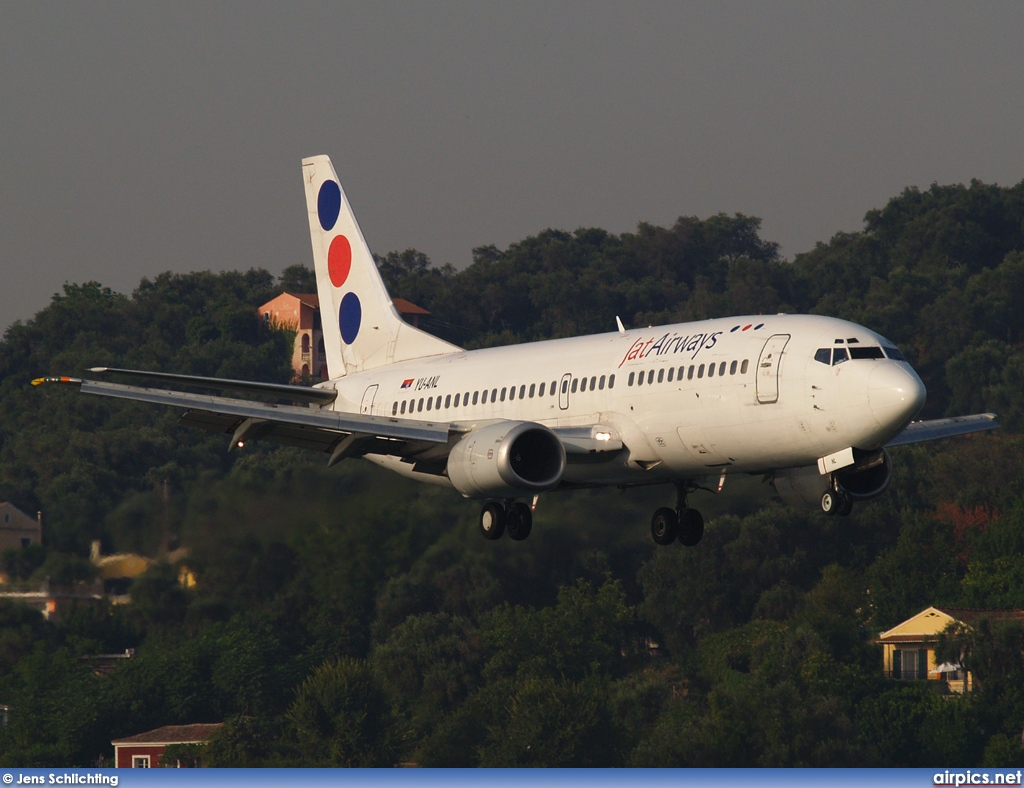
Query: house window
[[140, 761], [910, 663]]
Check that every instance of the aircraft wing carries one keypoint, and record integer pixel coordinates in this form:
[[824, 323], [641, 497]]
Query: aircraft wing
[[341, 434], [918, 431]]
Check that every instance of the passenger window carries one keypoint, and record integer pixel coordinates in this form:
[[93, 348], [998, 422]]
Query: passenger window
[[512, 393], [711, 370], [671, 373], [732, 368], [503, 390], [494, 395], [640, 379], [661, 375], [839, 355], [457, 398], [600, 383], [475, 395], [448, 401], [565, 386], [650, 377], [593, 382], [483, 398], [553, 387], [403, 407], [437, 403], [611, 381], [522, 391], [629, 380], [721, 369], [823, 355], [394, 409], [743, 367], [700, 371], [419, 408], [583, 384], [575, 384], [540, 392], [430, 401], [533, 390]]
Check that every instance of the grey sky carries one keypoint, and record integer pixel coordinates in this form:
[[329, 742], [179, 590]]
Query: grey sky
[[141, 137]]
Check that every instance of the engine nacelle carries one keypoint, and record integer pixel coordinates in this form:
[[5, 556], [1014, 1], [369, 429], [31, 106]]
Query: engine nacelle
[[507, 460], [867, 477]]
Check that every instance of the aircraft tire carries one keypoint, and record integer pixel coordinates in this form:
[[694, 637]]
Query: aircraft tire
[[691, 527], [492, 520], [845, 505], [518, 521], [830, 502], [664, 526]]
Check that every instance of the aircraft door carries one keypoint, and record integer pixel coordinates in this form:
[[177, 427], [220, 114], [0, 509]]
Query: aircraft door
[[768, 366], [366, 408], [563, 391]]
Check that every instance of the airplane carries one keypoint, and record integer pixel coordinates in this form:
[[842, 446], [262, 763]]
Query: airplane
[[810, 403]]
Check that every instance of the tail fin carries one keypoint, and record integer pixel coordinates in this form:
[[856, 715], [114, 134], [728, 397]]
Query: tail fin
[[362, 329]]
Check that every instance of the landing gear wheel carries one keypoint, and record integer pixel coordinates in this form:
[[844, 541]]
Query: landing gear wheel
[[691, 527], [492, 520], [518, 521], [845, 505], [830, 502], [664, 526]]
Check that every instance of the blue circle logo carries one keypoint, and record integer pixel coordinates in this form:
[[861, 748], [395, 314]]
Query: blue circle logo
[[328, 204], [350, 315]]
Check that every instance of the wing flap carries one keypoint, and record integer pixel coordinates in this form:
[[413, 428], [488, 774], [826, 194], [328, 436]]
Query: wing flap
[[919, 431]]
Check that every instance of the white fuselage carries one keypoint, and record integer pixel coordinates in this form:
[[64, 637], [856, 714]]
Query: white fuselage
[[730, 395]]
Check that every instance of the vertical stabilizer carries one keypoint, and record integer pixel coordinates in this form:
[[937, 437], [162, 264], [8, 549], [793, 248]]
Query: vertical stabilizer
[[362, 329]]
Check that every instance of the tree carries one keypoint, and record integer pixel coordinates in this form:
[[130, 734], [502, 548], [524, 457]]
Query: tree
[[342, 716]]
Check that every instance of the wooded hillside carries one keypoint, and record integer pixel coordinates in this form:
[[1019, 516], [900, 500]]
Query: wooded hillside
[[348, 617]]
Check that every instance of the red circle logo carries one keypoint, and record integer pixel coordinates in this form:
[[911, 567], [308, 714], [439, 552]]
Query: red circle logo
[[339, 260]]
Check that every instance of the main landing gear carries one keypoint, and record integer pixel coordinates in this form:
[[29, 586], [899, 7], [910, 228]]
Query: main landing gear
[[512, 517], [682, 523]]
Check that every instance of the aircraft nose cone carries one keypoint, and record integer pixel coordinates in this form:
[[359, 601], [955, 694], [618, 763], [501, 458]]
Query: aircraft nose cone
[[896, 394]]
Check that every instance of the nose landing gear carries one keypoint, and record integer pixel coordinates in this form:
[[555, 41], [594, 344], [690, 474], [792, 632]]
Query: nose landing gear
[[682, 523], [836, 502]]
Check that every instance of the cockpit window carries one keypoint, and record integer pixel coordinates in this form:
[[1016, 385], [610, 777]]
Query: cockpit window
[[824, 355], [866, 352], [893, 353], [839, 355]]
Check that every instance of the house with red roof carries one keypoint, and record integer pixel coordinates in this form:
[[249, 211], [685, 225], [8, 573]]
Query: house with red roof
[[146, 750]]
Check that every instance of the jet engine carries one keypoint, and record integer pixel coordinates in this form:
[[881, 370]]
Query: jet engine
[[509, 459], [867, 477]]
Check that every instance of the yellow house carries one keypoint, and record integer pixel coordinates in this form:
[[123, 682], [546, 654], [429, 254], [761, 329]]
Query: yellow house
[[17, 529], [908, 649]]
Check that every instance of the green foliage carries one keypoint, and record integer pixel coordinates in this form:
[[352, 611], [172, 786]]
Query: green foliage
[[349, 617], [342, 717]]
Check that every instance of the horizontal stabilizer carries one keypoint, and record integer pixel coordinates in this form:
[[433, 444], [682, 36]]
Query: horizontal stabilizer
[[227, 414], [295, 393]]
